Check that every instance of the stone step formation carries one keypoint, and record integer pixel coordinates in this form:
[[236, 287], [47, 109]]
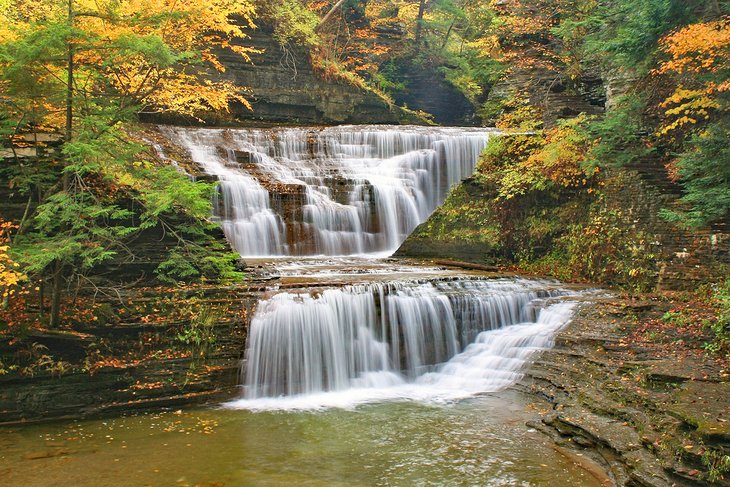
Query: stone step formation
[[329, 191]]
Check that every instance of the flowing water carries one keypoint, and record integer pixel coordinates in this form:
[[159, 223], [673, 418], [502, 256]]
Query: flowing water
[[358, 370], [329, 191], [481, 441], [430, 340]]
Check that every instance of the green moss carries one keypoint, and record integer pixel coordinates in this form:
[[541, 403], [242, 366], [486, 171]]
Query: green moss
[[569, 234], [463, 217]]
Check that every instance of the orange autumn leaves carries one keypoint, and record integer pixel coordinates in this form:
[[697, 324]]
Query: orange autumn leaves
[[698, 48], [524, 31], [159, 55], [698, 57]]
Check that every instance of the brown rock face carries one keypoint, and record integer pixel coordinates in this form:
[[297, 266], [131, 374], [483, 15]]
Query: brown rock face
[[285, 89]]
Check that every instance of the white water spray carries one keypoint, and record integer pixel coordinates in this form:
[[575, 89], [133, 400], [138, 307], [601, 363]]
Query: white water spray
[[408, 340]]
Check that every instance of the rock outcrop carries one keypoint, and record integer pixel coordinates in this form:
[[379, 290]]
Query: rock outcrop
[[427, 90], [285, 89], [155, 353], [471, 226], [549, 92], [649, 411]]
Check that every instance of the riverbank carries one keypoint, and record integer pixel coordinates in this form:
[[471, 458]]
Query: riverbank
[[145, 349], [649, 405], [141, 349]]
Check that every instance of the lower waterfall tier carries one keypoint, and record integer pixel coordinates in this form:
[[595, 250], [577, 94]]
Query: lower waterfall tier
[[412, 339]]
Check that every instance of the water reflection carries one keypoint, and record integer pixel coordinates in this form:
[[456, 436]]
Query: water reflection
[[481, 441]]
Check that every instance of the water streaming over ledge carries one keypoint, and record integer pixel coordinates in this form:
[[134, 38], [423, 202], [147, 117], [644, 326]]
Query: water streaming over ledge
[[430, 340], [399, 334], [329, 191]]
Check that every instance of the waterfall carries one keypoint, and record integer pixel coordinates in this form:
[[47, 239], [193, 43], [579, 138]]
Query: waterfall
[[329, 191], [401, 339], [354, 191]]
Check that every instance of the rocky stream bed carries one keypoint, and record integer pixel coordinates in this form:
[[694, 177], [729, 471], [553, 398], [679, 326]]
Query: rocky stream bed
[[650, 414]]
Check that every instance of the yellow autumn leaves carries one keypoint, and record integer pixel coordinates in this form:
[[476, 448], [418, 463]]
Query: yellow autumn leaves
[[161, 55], [696, 55], [9, 275]]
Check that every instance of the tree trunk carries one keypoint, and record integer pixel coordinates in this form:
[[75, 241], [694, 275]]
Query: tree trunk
[[419, 22], [69, 84], [41, 301], [58, 271], [56, 295], [329, 14], [448, 34]]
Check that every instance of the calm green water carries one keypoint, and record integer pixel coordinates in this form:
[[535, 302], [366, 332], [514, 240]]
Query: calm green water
[[482, 441]]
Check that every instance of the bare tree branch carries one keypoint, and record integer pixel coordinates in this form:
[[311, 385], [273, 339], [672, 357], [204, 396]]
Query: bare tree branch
[[329, 14]]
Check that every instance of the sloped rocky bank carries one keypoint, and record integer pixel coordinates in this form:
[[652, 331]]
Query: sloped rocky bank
[[651, 409]]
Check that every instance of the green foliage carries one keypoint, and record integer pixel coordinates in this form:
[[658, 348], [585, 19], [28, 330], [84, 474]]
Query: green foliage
[[456, 35], [463, 218], [379, 39], [620, 135], [73, 228], [579, 239], [720, 326], [676, 318], [388, 80], [199, 262], [471, 72], [558, 222], [35, 358], [89, 223], [293, 22], [705, 175], [624, 34], [538, 160], [95, 186], [199, 333], [606, 248], [717, 465]]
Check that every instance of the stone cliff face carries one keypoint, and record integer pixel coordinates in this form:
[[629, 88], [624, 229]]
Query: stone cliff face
[[427, 90], [132, 363], [614, 394], [471, 226], [285, 89], [547, 91]]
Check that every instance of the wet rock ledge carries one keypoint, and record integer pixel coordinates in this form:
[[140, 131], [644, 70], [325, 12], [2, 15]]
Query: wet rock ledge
[[652, 408], [145, 349]]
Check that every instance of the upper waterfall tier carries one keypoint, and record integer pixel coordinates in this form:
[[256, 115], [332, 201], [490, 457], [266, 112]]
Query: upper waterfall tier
[[350, 190]]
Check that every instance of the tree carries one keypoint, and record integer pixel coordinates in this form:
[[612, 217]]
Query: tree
[[623, 35], [419, 21], [330, 13], [84, 69], [696, 118], [699, 63]]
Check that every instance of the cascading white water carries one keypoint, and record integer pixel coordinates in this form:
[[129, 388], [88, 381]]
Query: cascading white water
[[406, 339], [329, 191], [343, 191]]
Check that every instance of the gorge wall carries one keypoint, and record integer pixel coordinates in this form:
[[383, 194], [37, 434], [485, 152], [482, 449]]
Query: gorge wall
[[542, 233], [284, 88]]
